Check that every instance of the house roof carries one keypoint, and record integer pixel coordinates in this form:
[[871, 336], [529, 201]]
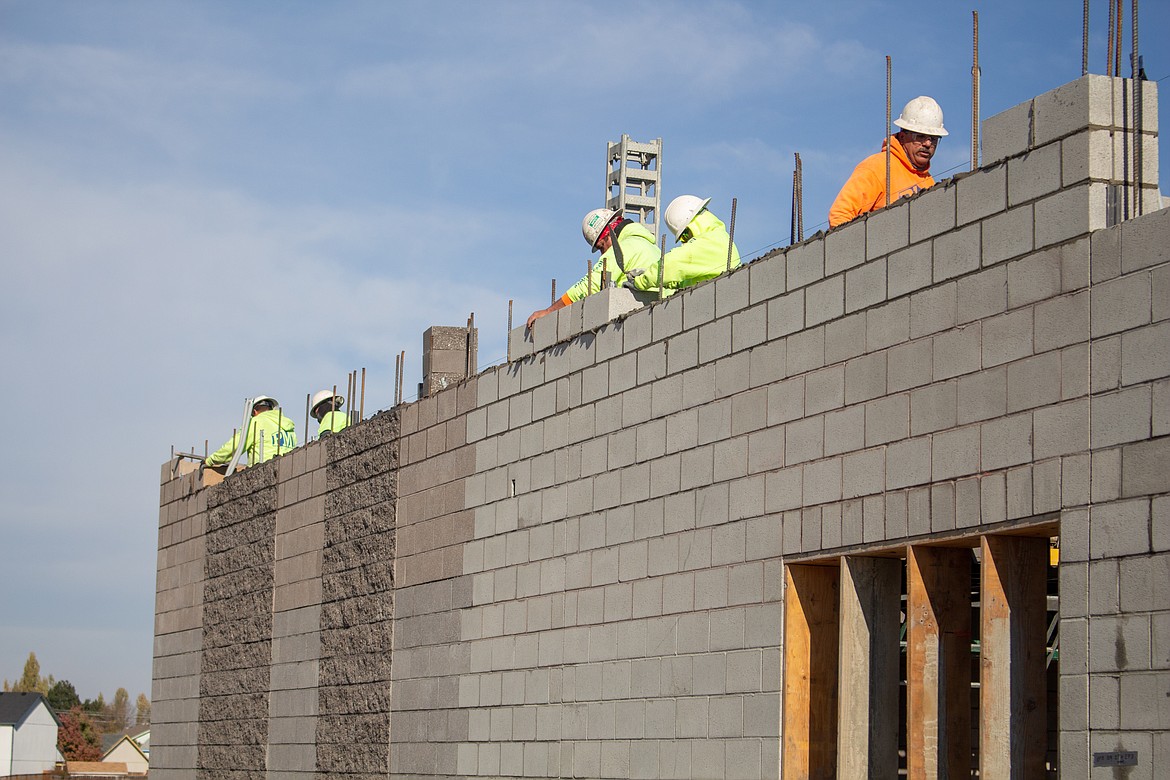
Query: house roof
[[135, 733], [129, 741], [14, 707], [96, 768]]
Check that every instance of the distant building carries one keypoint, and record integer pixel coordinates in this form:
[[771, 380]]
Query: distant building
[[28, 734], [127, 747]]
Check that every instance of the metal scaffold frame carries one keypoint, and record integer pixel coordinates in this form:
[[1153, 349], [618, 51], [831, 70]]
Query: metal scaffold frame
[[633, 175]]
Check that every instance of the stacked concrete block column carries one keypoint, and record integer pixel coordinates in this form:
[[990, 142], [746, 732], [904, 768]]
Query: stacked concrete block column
[[430, 589], [178, 630], [237, 625], [357, 599], [449, 354]]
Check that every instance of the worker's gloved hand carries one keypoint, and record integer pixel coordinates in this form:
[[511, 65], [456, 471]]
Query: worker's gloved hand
[[640, 279]]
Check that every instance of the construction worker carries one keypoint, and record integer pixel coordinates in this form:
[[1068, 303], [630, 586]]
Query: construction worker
[[911, 149], [702, 255], [326, 409], [623, 244], [269, 434]]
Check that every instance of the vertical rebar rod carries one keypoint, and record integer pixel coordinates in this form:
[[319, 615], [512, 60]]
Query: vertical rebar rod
[[279, 429], [661, 265], [1126, 168], [975, 73], [308, 397], [1085, 40], [362, 408], [402, 380], [469, 368], [206, 449], [554, 291], [1119, 20], [1110, 35], [508, 336], [792, 223], [799, 198], [1135, 72], [588, 276], [731, 235], [889, 85]]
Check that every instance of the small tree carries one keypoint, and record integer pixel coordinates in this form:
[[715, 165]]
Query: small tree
[[77, 739], [142, 711], [31, 681], [118, 713], [63, 696]]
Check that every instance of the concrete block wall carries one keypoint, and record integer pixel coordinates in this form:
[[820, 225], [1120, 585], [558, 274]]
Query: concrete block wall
[[588, 542], [273, 614]]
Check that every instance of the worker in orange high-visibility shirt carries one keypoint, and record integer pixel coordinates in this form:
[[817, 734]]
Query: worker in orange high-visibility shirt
[[911, 149]]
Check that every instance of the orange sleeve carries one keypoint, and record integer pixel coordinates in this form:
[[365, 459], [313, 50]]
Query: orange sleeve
[[565, 300], [861, 191]]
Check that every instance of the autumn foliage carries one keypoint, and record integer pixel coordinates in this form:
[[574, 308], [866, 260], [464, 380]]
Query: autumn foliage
[[77, 739]]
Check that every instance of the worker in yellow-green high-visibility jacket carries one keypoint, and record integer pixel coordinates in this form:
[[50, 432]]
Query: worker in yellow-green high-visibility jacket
[[702, 253], [269, 434], [326, 409], [627, 249]]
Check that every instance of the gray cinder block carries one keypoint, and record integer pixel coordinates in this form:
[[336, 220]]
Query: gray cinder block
[[1007, 134], [887, 230]]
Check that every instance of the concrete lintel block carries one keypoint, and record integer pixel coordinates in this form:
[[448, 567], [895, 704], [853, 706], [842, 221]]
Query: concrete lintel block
[[1007, 134], [605, 306]]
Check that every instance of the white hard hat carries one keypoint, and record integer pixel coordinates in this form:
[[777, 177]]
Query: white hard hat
[[922, 115], [595, 222], [323, 396], [260, 399], [681, 211]]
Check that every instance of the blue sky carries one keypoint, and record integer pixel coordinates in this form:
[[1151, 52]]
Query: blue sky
[[202, 201]]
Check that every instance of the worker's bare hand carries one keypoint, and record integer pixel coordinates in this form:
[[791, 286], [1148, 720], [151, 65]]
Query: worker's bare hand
[[536, 315]]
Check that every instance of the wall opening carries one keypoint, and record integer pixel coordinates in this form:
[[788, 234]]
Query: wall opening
[[927, 661]]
